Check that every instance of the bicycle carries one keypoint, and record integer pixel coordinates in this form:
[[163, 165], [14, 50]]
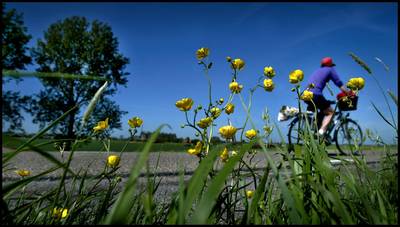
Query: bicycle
[[347, 134]]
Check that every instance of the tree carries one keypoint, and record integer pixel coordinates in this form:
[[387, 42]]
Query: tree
[[76, 46], [13, 53]]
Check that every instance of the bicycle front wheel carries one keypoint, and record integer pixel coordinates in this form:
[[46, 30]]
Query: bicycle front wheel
[[297, 131], [348, 137]]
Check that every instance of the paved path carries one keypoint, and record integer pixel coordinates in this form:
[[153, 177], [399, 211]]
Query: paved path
[[167, 171]]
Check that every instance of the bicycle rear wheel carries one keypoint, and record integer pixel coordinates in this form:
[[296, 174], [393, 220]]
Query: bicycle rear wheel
[[348, 137]]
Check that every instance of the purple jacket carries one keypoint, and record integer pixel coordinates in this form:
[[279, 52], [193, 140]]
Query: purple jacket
[[322, 76]]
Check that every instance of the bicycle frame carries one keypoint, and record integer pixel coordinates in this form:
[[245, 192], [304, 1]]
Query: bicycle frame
[[337, 119]]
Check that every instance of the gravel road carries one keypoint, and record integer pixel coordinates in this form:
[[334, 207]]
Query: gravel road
[[168, 168]]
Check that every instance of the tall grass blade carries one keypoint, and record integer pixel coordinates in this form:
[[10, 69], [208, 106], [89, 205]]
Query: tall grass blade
[[56, 75], [92, 103], [197, 181], [383, 63], [393, 96], [203, 209], [123, 205], [253, 216], [383, 117]]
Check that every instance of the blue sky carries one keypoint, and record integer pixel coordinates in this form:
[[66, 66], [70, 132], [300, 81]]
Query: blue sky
[[161, 39]]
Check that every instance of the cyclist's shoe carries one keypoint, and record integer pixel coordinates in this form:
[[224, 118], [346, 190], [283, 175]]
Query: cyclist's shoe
[[325, 139]]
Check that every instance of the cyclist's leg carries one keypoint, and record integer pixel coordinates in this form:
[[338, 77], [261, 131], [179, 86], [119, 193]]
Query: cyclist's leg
[[327, 110]]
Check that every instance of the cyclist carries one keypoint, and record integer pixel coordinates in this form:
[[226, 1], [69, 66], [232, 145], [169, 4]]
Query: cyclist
[[317, 83]]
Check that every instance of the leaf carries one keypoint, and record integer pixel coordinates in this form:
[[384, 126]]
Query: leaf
[[209, 65]]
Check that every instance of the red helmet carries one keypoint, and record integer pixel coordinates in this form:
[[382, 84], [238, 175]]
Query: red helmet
[[327, 62]]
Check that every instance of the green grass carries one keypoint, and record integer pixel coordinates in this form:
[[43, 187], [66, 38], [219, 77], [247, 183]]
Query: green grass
[[116, 145]]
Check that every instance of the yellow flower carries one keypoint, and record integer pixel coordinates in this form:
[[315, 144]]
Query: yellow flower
[[250, 134], [307, 95], [202, 53], [229, 108], [205, 122], [215, 112], [249, 194], [221, 100], [269, 85], [296, 76], [269, 71], [235, 87], [113, 161], [184, 104], [234, 153], [228, 59], [23, 172], [227, 131], [267, 129], [60, 213], [197, 149], [224, 155], [101, 125], [135, 122], [237, 64], [356, 83]]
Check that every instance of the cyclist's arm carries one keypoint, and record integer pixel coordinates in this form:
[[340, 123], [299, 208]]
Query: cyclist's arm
[[345, 90], [335, 78]]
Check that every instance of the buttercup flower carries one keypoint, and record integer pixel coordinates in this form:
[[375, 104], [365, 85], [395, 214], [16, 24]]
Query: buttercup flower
[[234, 153], [228, 59], [250, 134], [197, 149], [249, 194], [227, 131], [224, 155], [204, 122], [135, 122], [23, 172], [267, 129], [237, 64], [202, 53], [235, 87], [269, 85], [60, 213], [229, 108], [269, 71], [215, 112], [221, 100], [307, 95], [356, 83], [101, 125], [296, 76], [184, 104], [113, 161]]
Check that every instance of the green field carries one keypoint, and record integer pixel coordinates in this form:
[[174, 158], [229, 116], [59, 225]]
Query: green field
[[117, 145]]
